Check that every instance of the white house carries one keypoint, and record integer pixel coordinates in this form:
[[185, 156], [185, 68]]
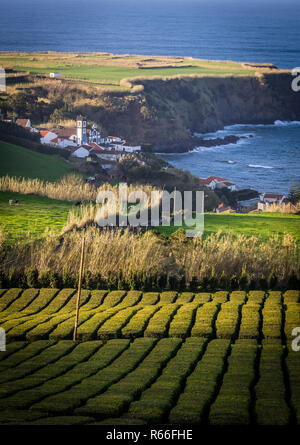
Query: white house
[[226, 184], [108, 155], [47, 137], [272, 197], [214, 182], [113, 139], [126, 148], [81, 152]]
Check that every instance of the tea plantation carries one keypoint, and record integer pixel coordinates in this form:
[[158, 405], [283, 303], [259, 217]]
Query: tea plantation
[[149, 358]]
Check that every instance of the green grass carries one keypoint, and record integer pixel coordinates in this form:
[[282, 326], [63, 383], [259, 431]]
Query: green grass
[[111, 74], [262, 225], [33, 214], [19, 161]]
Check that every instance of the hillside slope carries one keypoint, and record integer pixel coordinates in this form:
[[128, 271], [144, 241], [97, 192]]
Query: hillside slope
[[19, 161]]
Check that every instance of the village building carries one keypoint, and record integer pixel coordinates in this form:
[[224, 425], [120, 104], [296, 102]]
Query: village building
[[272, 197], [267, 199], [55, 75], [222, 208], [214, 182], [25, 123]]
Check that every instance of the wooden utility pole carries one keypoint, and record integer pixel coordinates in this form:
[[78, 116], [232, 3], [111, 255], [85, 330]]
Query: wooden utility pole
[[79, 289]]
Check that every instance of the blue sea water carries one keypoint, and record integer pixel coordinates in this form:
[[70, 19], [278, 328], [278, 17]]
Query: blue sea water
[[249, 30], [266, 159]]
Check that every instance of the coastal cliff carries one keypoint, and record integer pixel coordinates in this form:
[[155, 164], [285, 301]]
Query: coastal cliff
[[167, 112], [160, 113]]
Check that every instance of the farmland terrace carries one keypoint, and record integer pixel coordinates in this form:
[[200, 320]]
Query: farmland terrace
[[151, 358]]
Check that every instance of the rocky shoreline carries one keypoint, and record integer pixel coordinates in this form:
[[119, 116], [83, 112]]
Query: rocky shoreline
[[201, 142]]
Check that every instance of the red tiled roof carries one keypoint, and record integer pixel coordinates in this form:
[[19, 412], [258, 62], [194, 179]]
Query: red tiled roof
[[212, 178], [64, 132], [96, 146], [273, 196], [22, 122]]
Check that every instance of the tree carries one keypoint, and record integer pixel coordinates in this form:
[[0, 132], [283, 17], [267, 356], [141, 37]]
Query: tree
[[293, 195], [57, 116], [32, 277]]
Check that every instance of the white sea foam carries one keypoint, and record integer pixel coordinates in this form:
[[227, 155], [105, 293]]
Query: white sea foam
[[259, 166], [286, 123]]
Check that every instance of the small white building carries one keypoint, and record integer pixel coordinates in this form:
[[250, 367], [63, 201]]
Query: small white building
[[55, 75], [81, 152], [214, 182], [272, 197], [126, 148]]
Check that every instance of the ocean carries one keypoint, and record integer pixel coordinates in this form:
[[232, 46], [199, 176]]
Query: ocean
[[255, 30], [266, 158], [248, 30]]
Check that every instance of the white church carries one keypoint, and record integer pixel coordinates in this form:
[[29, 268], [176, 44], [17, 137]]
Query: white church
[[83, 141]]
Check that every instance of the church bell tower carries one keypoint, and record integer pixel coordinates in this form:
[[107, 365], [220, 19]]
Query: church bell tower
[[81, 130]]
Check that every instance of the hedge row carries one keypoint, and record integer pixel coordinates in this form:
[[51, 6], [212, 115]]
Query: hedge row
[[66, 401], [99, 360], [232, 405], [150, 298], [113, 326], [272, 316], [49, 355], [293, 367], [292, 312], [204, 321], [117, 398], [137, 324], [271, 407], [183, 321], [25, 353], [228, 320], [159, 323], [77, 355], [193, 403], [157, 401], [250, 322]]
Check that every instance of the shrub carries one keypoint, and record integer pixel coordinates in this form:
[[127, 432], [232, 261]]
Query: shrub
[[53, 279], [111, 281], [121, 281], [244, 279], [32, 277], [272, 281], [233, 282], [3, 280], [223, 281], [162, 281], [67, 279], [194, 284]]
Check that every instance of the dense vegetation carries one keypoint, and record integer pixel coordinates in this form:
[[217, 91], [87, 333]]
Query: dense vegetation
[[173, 358]]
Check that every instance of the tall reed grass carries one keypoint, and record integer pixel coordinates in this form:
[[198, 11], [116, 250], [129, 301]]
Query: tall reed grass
[[113, 251]]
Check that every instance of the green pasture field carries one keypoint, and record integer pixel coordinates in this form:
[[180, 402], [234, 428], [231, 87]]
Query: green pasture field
[[33, 215], [97, 67], [237, 368], [19, 161], [263, 225]]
